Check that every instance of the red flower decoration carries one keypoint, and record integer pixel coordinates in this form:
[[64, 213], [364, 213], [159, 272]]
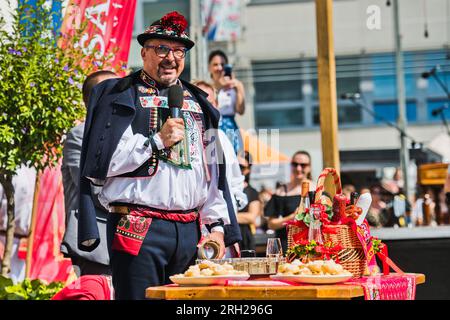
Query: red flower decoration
[[174, 20]]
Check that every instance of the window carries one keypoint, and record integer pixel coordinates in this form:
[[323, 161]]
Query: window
[[278, 91], [348, 84], [389, 111], [385, 87], [434, 89], [278, 82], [347, 114], [276, 117], [436, 106], [278, 94]]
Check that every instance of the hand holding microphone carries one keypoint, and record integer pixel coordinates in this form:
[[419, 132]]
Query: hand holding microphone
[[175, 100], [172, 130]]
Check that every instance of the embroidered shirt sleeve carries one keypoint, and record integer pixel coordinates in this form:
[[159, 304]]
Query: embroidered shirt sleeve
[[215, 207], [130, 153]]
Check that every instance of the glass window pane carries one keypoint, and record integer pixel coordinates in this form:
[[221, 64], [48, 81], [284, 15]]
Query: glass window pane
[[346, 115], [434, 89], [278, 91], [316, 116], [436, 106], [347, 85], [349, 114], [389, 111], [276, 118], [384, 87]]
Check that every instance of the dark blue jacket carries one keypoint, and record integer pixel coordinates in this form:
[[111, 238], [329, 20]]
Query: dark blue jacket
[[110, 111]]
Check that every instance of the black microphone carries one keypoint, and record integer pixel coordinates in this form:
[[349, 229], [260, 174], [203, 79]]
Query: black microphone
[[436, 111], [349, 95], [427, 74], [175, 100]]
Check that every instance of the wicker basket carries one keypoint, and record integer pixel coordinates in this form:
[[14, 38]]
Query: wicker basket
[[352, 255]]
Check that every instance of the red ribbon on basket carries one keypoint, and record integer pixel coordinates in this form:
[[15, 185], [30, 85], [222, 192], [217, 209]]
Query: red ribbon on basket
[[387, 262], [321, 182]]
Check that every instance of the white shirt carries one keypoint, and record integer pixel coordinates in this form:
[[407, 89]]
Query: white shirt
[[235, 179], [171, 188], [226, 99]]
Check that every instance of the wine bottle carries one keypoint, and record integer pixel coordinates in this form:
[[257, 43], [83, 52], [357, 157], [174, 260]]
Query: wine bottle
[[353, 198], [304, 194], [312, 197], [339, 204], [304, 200], [314, 232]]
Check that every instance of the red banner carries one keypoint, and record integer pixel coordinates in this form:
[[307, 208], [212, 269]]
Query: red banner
[[47, 262], [109, 27]]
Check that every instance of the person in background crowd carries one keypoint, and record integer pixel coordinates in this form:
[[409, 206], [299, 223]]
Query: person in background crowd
[[234, 176], [347, 190], [247, 216], [376, 217], [24, 185], [283, 205], [230, 97], [265, 194], [429, 208], [443, 208], [447, 188], [157, 178], [96, 261], [417, 210], [402, 209]]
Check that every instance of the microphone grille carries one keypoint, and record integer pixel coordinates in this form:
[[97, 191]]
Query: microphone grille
[[175, 96]]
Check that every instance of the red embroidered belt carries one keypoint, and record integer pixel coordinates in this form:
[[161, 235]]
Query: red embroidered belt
[[135, 222]]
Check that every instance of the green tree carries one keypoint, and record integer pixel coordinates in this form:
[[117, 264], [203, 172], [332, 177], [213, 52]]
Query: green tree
[[40, 96]]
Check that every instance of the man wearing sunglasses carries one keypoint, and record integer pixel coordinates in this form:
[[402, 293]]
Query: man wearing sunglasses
[[155, 197]]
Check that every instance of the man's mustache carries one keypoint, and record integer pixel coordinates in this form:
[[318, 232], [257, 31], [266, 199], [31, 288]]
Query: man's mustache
[[168, 65]]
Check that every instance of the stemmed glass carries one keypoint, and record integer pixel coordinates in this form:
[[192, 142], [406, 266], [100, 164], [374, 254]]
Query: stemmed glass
[[274, 249]]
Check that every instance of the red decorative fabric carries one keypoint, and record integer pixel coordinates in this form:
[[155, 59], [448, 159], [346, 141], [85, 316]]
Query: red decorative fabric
[[89, 287], [387, 262], [390, 287], [133, 227]]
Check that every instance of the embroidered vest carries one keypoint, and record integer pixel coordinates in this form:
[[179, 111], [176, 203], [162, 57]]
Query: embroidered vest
[[152, 111]]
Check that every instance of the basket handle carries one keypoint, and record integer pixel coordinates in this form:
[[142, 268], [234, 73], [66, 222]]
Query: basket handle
[[321, 182]]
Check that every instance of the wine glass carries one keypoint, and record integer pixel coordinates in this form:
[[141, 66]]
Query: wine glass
[[274, 249]]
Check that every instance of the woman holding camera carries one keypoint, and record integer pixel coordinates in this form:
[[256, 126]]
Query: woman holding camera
[[230, 96]]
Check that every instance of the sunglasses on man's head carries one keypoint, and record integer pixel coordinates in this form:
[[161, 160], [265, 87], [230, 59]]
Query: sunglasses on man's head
[[296, 164]]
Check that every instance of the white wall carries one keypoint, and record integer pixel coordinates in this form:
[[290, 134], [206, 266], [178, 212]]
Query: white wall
[[289, 30]]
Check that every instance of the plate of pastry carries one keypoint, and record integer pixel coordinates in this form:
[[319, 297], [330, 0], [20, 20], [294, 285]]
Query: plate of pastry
[[209, 273], [314, 272], [315, 279], [206, 280]]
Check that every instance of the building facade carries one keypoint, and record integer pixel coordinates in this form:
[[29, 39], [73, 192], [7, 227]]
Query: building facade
[[275, 57]]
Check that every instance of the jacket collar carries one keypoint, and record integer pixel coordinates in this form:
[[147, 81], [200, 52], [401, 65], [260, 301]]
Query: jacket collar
[[126, 97]]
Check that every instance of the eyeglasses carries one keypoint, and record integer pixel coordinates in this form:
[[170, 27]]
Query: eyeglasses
[[296, 164], [162, 51]]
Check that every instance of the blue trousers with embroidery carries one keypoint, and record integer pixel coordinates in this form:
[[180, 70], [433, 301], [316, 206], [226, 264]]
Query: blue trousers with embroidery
[[168, 248]]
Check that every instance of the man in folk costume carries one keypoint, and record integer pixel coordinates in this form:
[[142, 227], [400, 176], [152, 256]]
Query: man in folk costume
[[160, 175]]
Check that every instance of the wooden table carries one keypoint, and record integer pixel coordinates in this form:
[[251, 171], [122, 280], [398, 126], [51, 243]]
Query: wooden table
[[303, 292]]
